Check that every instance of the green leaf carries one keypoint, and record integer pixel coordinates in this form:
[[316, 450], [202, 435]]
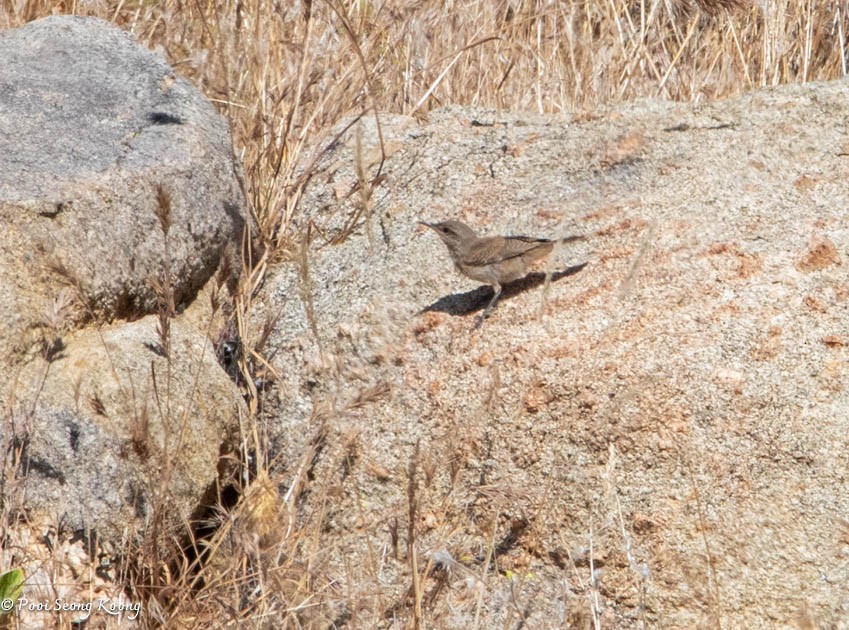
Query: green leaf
[[11, 585]]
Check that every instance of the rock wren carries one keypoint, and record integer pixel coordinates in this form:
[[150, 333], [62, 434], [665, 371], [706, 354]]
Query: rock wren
[[495, 260]]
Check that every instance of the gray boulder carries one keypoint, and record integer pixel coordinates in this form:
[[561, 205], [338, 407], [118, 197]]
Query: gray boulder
[[91, 125]]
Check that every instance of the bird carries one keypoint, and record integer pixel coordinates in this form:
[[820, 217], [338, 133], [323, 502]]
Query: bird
[[494, 260]]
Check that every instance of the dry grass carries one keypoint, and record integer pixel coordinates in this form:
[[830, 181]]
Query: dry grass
[[284, 73]]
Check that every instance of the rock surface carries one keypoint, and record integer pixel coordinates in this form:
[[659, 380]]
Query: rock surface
[[112, 434], [661, 435], [101, 431], [91, 124]]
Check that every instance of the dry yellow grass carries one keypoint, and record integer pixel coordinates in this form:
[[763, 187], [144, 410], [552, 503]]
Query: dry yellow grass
[[284, 73]]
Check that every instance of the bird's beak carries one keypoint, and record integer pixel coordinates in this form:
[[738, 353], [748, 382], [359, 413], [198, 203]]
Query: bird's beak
[[430, 225]]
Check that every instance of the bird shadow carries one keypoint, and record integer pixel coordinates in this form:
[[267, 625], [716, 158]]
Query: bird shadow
[[471, 301]]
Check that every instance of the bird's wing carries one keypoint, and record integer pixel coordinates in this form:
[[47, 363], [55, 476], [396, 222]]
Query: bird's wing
[[494, 249]]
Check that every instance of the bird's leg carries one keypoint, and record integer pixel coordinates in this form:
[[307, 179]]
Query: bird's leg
[[489, 307]]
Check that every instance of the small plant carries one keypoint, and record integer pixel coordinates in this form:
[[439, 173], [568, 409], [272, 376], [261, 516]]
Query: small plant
[[11, 586]]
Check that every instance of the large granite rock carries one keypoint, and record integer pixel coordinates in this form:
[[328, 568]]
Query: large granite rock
[[661, 436]]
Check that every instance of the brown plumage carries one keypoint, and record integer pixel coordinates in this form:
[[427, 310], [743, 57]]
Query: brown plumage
[[495, 260]]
